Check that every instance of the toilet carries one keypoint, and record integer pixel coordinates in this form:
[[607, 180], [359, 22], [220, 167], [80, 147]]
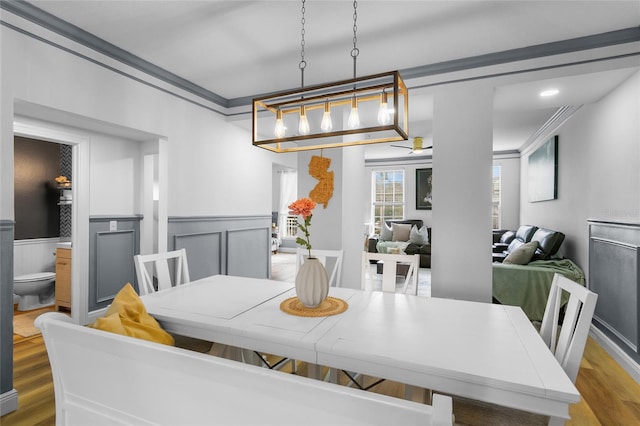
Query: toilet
[[35, 290]]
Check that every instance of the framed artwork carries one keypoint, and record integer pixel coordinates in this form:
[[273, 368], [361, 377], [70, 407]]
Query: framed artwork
[[423, 189], [543, 172]]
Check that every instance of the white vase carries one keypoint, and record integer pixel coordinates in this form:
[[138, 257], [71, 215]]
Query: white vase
[[312, 283]]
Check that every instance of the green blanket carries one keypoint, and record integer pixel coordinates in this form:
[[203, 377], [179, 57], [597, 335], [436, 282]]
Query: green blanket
[[528, 286]]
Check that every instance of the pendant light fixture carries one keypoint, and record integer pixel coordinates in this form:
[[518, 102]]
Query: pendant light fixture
[[359, 111]]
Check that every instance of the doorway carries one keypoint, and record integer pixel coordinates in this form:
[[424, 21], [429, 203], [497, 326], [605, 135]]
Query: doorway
[[43, 176]]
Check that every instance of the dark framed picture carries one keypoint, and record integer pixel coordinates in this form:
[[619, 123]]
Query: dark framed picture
[[423, 189], [543, 172]]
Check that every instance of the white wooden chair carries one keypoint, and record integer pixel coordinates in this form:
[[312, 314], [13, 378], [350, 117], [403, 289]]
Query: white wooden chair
[[333, 258], [158, 265], [390, 263], [568, 347], [160, 269]]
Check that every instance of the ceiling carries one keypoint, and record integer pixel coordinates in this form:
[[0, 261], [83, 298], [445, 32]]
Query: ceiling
[[239, 49]]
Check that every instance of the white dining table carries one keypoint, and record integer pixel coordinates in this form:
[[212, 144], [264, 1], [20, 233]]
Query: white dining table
[[482, 351]]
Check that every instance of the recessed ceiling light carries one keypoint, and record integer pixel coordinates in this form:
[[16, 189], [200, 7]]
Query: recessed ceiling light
[[550, 92]]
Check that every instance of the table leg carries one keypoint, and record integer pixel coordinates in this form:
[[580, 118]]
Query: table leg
[[314, 371], [333, 375], [556, 421], [416, 394], [226, 351]]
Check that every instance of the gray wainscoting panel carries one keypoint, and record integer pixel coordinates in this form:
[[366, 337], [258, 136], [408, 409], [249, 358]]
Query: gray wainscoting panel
[[614, 273], [243, 247], [111, 257], [245, 252], [204, 253], [113, 250], [6, 306]]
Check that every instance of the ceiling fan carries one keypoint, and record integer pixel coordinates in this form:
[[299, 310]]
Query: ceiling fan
[[417, 147]]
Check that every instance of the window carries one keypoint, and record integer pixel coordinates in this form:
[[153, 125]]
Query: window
[[292, 227], [287, 225], [495, 197], [387, 195]]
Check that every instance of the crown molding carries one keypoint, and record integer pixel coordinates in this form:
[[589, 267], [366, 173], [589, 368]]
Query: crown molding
[[611, 38], [50, 22], [53, 23], [549, 127]]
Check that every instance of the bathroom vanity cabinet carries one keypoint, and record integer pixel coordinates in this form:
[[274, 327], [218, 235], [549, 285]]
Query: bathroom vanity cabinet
[[63, 278]]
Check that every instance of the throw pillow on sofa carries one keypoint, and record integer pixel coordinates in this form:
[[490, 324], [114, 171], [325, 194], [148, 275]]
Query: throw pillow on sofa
[[386, 234], [419, 236], [401, 231], [523, 254]]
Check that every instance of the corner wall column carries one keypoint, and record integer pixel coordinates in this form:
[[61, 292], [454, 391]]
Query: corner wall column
[[462, 161]]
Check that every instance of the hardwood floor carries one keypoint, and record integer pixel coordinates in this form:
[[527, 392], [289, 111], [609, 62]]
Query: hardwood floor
[[609, 395]]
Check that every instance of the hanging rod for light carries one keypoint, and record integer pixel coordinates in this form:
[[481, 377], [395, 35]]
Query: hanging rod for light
[[360, 109]]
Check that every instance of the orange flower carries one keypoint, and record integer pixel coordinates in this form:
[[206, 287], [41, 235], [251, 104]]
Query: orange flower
[[302, 207]]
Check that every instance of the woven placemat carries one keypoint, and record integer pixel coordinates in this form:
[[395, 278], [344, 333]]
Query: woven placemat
[[329, 306]]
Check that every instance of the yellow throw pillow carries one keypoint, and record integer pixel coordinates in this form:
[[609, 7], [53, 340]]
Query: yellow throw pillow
[[128, 316]]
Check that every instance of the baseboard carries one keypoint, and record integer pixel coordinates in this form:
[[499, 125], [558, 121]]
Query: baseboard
[[625, 361], [287, 249], [8, 402]]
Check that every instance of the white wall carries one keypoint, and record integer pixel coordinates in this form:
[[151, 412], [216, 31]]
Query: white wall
[[598, 171], [213, 168], [509, 192], [410, 193], [115, 176]]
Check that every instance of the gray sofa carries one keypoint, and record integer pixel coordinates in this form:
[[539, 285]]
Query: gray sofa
[[547, 243], [424, 250]]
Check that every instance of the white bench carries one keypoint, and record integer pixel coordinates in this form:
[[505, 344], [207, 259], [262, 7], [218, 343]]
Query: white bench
[[102, 378]]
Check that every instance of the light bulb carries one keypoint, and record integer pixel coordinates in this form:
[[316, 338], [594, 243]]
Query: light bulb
[[354, 118], [279, 130], [384, 116], [326, 124], [303, 124], [417, 145]]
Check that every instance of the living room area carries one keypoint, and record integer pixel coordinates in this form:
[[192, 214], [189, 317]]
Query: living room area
[[581, 194]]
